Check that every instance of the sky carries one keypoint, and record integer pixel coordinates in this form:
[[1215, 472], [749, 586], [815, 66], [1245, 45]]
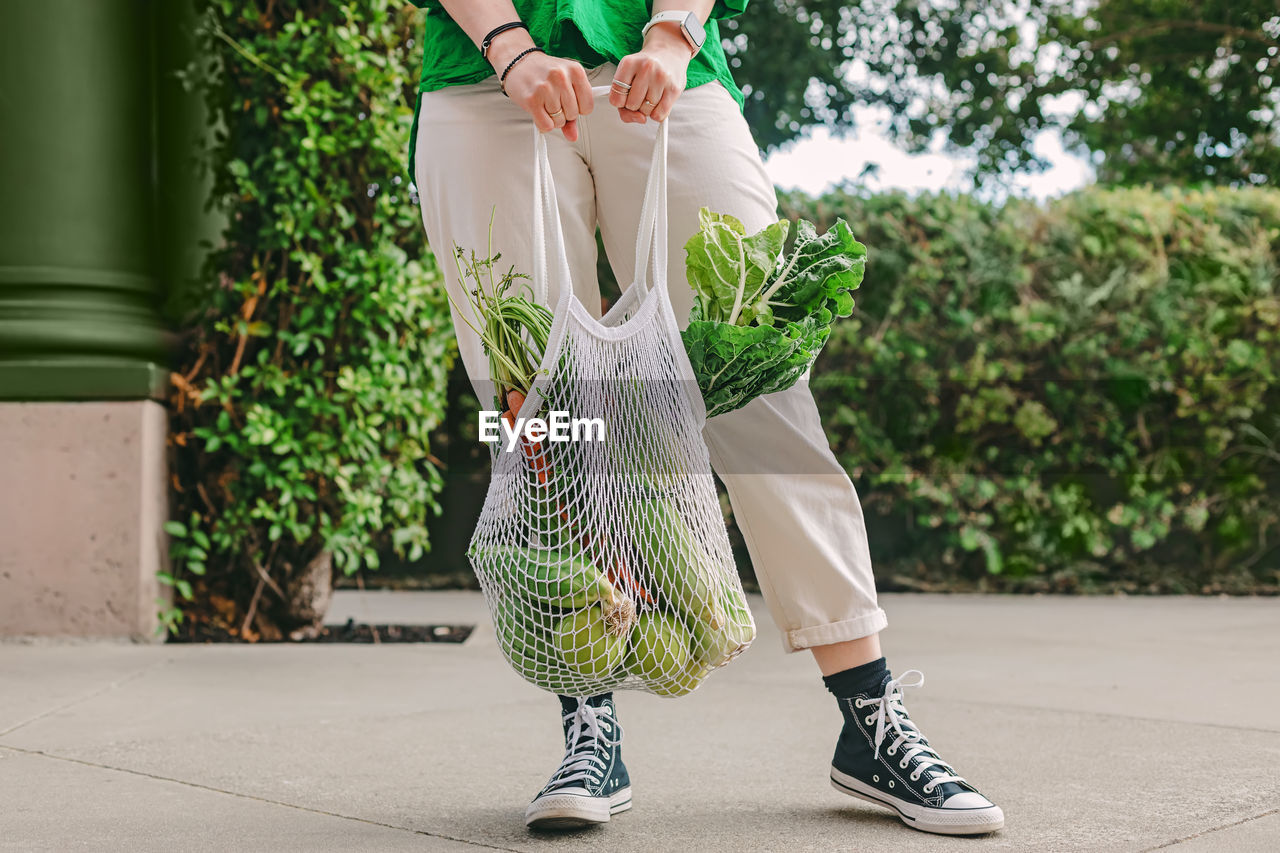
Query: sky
[[818, 160]]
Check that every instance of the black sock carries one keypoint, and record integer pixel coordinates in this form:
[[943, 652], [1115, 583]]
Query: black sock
[[867, 679], [569, 704]]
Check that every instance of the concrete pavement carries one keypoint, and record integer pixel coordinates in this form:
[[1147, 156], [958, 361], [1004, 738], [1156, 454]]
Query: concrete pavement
[[1125, 724]]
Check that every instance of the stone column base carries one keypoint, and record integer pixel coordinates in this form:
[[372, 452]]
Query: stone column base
[[83, 500]]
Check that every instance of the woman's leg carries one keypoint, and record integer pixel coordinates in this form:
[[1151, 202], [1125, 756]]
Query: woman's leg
[[474, 156], [794, 502]]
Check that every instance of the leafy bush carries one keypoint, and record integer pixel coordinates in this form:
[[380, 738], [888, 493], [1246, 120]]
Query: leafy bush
[[1071, 397], [313, 366]]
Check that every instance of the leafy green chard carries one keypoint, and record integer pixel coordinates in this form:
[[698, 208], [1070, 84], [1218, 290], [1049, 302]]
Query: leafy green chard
[[729, 269], [819, 276], [761, 315]]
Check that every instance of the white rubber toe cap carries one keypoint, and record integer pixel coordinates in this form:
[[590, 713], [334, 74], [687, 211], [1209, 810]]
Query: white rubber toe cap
[[967, 800]]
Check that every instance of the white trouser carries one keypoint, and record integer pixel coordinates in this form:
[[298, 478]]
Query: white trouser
[[794, 503]]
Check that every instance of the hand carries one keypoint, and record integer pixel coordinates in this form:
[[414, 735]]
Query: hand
[[552, 90], [657, 75]]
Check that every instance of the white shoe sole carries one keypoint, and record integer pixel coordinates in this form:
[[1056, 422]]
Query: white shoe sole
[[573, 811], [923, 818]]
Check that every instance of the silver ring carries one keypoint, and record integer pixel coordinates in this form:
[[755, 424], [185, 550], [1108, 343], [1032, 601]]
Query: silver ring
[[626, 87]]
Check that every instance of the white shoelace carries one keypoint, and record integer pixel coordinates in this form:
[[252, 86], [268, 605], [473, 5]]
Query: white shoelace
[[892, 717], [586, 727]]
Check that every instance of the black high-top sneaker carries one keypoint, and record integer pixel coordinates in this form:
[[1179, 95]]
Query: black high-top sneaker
[[591, 783], [883, 758]]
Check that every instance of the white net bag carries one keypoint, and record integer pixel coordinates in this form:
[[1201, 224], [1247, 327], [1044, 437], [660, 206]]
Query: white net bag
[[606, 563]]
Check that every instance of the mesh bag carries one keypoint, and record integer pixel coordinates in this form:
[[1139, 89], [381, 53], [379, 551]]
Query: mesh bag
[[606, 563]]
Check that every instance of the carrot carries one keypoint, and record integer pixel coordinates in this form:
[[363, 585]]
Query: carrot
[[621, 576], [534, 454]]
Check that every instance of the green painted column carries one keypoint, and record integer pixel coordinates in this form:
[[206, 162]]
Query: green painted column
[[89, 232], [101, 213]]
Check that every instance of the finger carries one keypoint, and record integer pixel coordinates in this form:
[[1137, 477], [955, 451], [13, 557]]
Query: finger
[[652, 98], [555, 115], [665, 106], [568, 109], [552, 91], [639, 88], [570, 131], [537, 106], [562, 101], [585, 101], [621, 84], [541, 120], [617, 94]]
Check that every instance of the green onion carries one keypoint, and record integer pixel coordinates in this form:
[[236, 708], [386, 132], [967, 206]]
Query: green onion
[[512, 327]]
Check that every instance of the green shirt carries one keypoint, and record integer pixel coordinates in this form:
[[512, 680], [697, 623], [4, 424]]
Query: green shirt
[[590, 31]]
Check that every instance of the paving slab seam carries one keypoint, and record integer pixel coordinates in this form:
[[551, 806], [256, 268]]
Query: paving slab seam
[[1088, 713], [202, 787], [1212, 830], [107, 688]]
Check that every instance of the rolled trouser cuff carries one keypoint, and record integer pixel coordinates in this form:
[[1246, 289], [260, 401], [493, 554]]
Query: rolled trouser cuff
[[799, 639]]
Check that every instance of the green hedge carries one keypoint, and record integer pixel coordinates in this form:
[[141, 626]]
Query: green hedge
[[313, 363], [1079, 396], [1073, 397]]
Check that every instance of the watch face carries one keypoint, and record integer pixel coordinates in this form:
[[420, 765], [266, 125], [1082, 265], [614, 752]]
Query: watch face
[[693, 29]]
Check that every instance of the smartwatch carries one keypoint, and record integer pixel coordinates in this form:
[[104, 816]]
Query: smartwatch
[[690, 27]]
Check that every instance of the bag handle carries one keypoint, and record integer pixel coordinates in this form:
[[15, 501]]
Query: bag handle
[[545, 209], [651, 240]]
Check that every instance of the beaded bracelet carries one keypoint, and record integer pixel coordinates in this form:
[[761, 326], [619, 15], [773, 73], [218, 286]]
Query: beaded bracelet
[[519, 56]]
